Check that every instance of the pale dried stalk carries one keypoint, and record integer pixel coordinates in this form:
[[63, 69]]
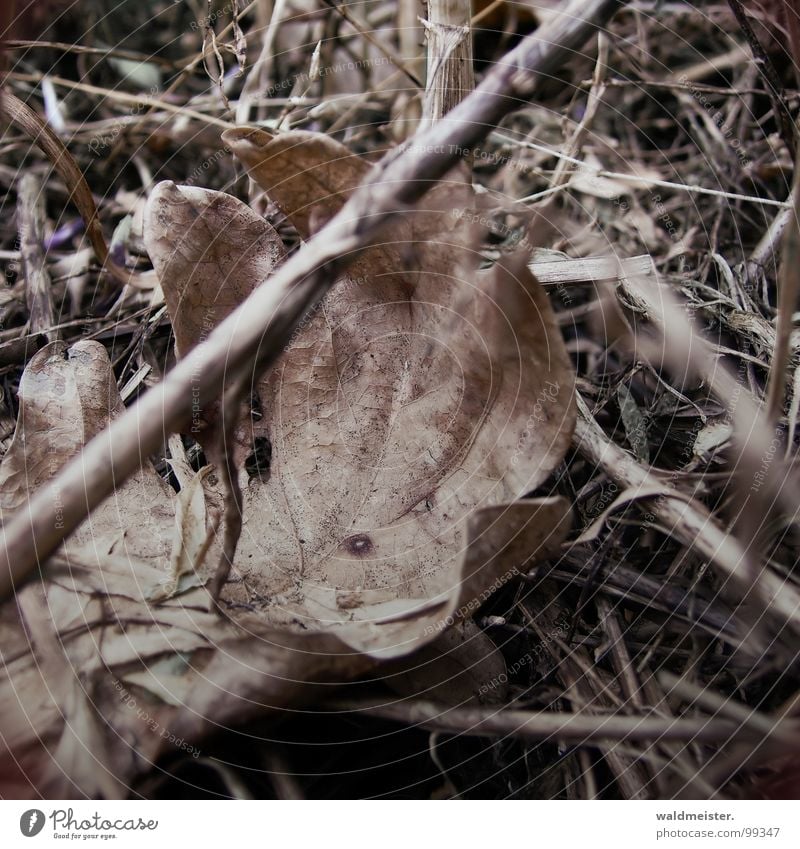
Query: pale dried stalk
[[548, 725], [589, 269], [574, 146], [788, 286], [450, 72], [409, 36], [38, 291], [258, 77], [257, 332]]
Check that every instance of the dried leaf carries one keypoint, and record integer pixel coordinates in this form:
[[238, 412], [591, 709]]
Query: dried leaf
[[406, 418], [711, 438], [406, 402], [306, 174], [190, 540]]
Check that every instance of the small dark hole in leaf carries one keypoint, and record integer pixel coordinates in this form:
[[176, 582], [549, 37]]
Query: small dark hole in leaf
[[359, 544], [258, 463]]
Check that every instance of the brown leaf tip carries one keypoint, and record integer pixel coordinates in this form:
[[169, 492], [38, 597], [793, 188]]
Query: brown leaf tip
[[246, 140]]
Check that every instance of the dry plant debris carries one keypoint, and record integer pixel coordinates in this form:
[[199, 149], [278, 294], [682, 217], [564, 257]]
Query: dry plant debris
[[516, 501], [393, 437]]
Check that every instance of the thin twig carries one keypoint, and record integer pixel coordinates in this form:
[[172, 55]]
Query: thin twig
[[38, 287], [103, 52], [770, 76], [574, 146], [387, 51], [135, 100], [630, 178], [549, 725]]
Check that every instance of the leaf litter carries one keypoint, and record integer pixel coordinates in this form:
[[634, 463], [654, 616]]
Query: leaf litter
[[401, 438], [682, 159]]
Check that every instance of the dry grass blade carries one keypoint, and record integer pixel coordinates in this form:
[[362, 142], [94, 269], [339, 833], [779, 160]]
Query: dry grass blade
[[79, 192]]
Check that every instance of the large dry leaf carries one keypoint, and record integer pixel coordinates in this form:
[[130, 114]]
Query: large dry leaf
[[66, 397], [95, 681], [412, 397], [406, 416]]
